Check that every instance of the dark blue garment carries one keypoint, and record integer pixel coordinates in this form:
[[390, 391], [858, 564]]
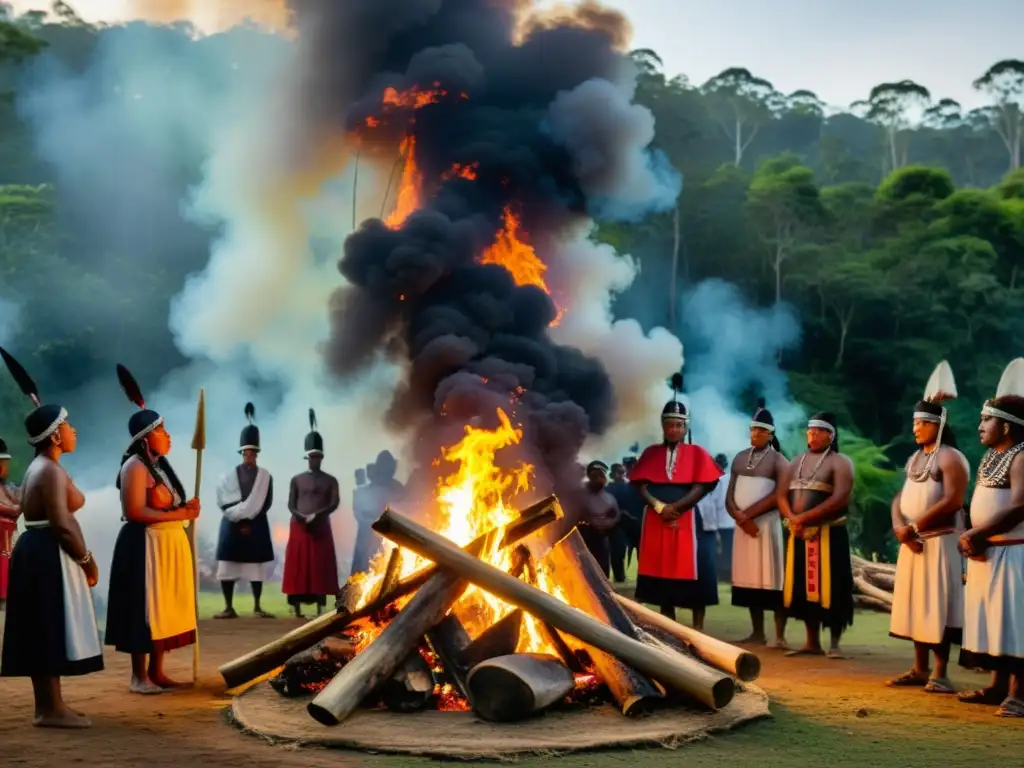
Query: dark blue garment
[[247, 541]]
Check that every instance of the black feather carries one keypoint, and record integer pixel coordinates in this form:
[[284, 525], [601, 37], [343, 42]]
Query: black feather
[[250, 412], [677, 382], [761, 402], [21, 377], [130, 386], [312, 420]]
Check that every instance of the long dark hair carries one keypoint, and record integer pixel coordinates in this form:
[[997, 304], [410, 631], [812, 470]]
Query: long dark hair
[[138, 449]]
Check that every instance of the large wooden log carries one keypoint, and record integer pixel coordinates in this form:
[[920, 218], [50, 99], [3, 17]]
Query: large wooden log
[[500, 639], [721, 655], [871, 590], [863, 601], [449, 639], [379, 660], [514, 687], [550, 634], [274, 654], [671, 669], [669, 644], [578, 575], [411, 687]]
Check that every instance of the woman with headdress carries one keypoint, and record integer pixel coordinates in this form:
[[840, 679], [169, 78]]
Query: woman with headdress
[[310, 565], [50, 631], [758, 556], [10, 511], [994, 600], [927, 519], [676, 567], [813, 496], [151, 606]]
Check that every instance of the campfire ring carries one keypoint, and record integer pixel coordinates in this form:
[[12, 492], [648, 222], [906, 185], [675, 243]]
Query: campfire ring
[[262, 712]]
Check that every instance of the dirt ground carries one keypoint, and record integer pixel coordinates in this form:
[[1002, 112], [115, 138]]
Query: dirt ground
[[837, 711]]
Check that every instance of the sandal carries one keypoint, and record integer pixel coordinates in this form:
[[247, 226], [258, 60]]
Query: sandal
[[907, 680], [939, 685], [1011, 707], [981, 696]]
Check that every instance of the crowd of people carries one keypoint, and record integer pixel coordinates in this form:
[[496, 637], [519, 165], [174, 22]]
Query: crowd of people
[[774, 527]]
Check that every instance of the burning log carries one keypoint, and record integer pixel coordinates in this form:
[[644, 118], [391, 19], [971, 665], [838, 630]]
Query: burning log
[[514, 687], [551, 635], [379, 660], [276, 653], [671, 669], [411, 687], [498, 640], [724, 656], [585, 586], [449, 639]]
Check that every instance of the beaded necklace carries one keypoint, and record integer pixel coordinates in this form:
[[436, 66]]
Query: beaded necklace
[[670, 460], [919, 477], [994, 469], [800, 466], [752, 462]]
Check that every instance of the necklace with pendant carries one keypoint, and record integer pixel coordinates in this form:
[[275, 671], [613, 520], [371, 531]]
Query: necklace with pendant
[[753, 461], [800, 466], [919, 477]]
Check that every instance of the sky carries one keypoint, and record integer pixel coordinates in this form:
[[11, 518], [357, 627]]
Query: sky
[[838, 49]]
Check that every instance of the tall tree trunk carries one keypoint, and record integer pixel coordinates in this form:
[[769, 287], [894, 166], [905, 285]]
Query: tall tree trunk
[[892, 148], [739, 140], [845, 320]]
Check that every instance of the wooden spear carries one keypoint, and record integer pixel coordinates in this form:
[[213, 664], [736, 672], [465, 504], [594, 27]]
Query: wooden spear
[[198, 444]]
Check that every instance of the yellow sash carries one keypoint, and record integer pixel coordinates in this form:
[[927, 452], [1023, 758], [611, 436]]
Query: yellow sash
[[817, 565]]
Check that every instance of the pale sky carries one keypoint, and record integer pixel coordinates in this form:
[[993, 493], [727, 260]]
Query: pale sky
[[837, 48]]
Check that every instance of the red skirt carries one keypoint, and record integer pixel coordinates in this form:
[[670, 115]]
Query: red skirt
[[310, 567], [7, 529], [668, 550]]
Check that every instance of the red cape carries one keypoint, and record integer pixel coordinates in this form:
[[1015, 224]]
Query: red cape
[[693, 465]]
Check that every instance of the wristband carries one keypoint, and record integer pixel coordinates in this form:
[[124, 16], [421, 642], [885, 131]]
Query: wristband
[[86, 560]]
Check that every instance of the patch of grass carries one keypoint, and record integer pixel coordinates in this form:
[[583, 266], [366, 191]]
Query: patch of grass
[[273, 601]]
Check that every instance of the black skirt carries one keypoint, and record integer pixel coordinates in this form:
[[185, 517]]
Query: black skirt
[[34, 632], [839, 614], [127, 623], [683, 593]]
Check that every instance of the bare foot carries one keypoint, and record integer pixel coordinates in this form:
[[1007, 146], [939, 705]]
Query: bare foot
[[227, 613], [166, 683], [145, 688], [780, 644], [63, 719], [836, 653], [807, 650], [263, 614]]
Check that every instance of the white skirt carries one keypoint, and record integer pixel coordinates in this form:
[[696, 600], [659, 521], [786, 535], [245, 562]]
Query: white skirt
[[994, 604], [928, 600], [760, 563], [228, 571]]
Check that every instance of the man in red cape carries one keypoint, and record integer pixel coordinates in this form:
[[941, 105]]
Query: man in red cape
[[677, 557], [310, 567]]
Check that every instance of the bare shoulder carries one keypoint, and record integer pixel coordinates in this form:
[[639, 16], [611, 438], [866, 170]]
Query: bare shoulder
[[842, 462], [738, 463], [781, 462]]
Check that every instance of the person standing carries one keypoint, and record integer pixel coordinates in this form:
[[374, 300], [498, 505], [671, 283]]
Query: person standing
[[50, 631], [927, 519], [813, 497], [384, 490], [718, 520], [310, 565], [677, 557], [758, 557], [626, 534], [10, 511], [151, 604], [600, 515], [245, 550], [993, 606]]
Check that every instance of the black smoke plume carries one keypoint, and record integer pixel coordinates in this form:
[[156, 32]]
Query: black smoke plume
[[473, 341]]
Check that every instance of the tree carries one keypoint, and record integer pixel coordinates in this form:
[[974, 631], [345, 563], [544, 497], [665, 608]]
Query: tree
[[1003, 82], [16, 43], [741, 104], [945, 115], [889, 105]]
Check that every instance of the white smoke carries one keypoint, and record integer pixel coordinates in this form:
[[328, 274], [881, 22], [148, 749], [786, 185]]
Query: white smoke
[[9, 313], [258, 310]]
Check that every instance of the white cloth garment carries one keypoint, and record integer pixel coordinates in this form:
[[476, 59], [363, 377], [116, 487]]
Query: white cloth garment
[[229, 494], [994, 601], [758, 563], [228, 571], [81, 636], [713, 512], [929, 595]]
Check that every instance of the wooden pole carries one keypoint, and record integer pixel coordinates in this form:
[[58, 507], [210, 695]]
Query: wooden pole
[[198, 445], [513, 687], [730, 658], [272, 655], [578, 575], [671, 669]]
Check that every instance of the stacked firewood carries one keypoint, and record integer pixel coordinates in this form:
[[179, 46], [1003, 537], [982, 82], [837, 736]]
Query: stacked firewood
[[873, 584], [592, 635]]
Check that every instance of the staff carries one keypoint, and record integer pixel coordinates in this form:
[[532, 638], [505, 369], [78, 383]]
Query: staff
[[198, 444]]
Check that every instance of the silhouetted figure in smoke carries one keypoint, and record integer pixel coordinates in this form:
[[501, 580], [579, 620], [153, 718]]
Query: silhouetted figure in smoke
[[369, 502], [600, 515], [626, 535]]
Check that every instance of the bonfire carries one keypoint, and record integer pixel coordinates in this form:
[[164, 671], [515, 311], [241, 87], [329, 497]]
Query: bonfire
[[486, 609]]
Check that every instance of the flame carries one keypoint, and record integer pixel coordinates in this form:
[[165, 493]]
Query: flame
[[518, 257], [279, 533], [409, 187]]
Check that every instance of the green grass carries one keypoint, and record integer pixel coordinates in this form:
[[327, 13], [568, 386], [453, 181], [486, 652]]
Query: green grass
[[273, 601]]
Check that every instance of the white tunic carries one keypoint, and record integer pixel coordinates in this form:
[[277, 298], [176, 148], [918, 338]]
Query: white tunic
[[929, 595], [994, 605], [758, 563]]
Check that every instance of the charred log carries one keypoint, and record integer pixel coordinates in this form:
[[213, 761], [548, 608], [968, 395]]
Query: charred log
[[515, 687]]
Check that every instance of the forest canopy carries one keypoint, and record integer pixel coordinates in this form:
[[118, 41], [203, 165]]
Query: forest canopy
[[894, 228]]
